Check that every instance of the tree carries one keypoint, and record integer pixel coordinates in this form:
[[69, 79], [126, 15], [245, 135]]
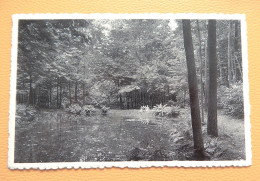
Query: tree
[[201, 82], [193, 90], [212, 128]]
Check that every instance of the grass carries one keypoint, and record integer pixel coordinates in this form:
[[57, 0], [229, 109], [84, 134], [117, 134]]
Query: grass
[[121, 135]]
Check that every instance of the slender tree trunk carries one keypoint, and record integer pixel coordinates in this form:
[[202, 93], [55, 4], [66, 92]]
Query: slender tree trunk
[[50, 96], [60, 95], [83, 93], [57, 96], [184, 97], [239, 67], [76, 91], [193, 90], [234, 70], [201, 82], [229, 55], [206, 85], [30, 97], [237, 50], [70, 92], [236, 42], [212, 127], [121, 102]]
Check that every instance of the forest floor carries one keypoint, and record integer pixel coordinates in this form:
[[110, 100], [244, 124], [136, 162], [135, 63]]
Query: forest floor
[[122, 135]]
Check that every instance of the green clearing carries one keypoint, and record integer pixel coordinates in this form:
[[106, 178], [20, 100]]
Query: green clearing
[[56, 136]]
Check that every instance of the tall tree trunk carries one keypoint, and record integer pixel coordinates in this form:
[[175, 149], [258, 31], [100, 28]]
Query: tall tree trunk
[[236, 42], [121, 102], [193, 90], [30, 97], [212, 128], [237, 51], [50, 97], [234, 70], [201, 82], [184, 97], [57, 96], [239, 67], [76, 91], [229, 55], [206, 85], [60, 95], [83, 85], [70, 93]]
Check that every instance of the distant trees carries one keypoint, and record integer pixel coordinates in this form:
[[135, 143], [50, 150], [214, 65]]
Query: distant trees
[[193, 89], [70, 60]]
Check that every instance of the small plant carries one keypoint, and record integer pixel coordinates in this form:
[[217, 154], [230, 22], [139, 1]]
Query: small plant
[[104, 110], [88, 109], [159, 109], [144, 108]]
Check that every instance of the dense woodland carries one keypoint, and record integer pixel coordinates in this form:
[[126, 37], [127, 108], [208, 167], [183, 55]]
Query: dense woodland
[[126, 64]]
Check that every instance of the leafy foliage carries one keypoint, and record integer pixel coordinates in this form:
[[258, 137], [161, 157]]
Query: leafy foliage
[[104, 110], [25, 114], [74, 108], [231, 100], [88, 109]]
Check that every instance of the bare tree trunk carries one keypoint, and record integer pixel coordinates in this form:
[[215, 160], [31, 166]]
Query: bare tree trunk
[[76, 91], [239, 67], [212, 127], [229, 55], [83, 93], [206, 85], [184, 97], [234, 70], [201, 82], [30, 97], [69, 92], [57, 96], [193, 90], [60, 95], [50, 97]]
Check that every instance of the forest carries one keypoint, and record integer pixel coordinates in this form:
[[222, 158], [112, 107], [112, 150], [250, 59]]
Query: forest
[[129, 89]]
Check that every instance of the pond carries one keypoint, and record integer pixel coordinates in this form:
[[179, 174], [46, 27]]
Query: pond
[[121, 135]]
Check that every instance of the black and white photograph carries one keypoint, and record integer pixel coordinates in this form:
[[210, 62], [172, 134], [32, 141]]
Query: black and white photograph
[[129, 90]]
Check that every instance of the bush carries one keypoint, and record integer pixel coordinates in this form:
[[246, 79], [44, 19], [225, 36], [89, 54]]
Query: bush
[[159, 109], [88, 109], [25, 114], [104, 109], [171, 111], [164, 110], [74, 108], [144, 108], [231, 100]]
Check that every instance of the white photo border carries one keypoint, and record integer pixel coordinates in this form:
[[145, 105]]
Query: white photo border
[[129, 164]]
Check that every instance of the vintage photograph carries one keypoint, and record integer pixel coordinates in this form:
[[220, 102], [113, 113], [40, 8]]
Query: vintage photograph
[[129, 91]]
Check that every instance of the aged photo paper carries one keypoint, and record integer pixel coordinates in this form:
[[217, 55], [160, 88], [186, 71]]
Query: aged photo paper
[[129, 90]]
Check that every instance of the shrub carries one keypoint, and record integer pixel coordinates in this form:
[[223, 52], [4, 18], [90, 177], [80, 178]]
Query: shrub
[[104, 109], [171, 111], [88, 109], [74, 108], [24, 114], [231, 100], [159, 109], [144, 108], [164, 110]]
